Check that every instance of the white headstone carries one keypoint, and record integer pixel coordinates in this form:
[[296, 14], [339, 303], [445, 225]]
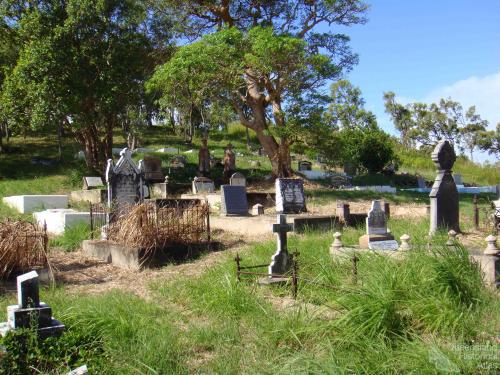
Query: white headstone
[[203, 185], [376, 222], [238, 179]]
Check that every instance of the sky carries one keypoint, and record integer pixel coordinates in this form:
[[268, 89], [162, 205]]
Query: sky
[[424, 50]]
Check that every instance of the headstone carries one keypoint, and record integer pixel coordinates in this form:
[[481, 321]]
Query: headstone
[[125, 182], [203, 185], [178, 161], [229, 161], [343, 211], [238, 179], [82, 370], [421, 182], [92, 183], [304, 165], [204, 159], [457, 177], [234, 200], [282, 261], [444, 194], [290, 195], [339, 181], [257, 209], [152, 169], [30, 312], [376, 230]]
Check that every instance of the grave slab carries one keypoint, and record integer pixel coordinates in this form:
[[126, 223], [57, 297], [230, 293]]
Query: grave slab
[[26, 204], [59, 219]]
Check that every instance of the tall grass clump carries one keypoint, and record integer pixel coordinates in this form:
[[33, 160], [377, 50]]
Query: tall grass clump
[[72, 237]]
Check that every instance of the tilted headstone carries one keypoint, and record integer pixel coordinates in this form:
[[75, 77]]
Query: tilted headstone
[[457, 177], [421, 182], [304, 165], [282, 261], [152, 169], [234, 200], [30, 312], [444, 194], [377, 235], [92, 183], [125, 182], [290, 196], [203, 185]]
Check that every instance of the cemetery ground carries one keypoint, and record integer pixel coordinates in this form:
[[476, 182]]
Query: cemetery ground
[[427, 313]]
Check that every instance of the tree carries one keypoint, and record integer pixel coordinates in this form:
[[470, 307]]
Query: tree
[[265, 58], [81, 65], [346, 109], [426, 124], [489, 141]]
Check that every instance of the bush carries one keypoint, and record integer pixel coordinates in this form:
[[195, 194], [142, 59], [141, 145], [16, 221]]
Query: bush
[[375, 151]]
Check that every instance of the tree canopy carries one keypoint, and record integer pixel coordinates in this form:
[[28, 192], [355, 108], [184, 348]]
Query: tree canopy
[[266, 59]]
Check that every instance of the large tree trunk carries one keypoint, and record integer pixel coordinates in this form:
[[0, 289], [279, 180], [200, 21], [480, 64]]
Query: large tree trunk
[[97, 152]]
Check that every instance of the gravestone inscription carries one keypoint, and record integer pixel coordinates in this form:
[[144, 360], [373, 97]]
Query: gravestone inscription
[[444, 193], [234, 200], [290, 195]]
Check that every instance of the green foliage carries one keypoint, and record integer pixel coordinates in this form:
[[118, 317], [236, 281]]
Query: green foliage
[[72, 237]]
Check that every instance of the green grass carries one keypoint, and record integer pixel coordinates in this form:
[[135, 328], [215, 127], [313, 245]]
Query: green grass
[[72, 237], [414, 315]]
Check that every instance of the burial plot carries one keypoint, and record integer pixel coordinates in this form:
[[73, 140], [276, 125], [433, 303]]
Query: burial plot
[[59, 219], [29, 311], [125, 182], [234, 200], [26, 204], [90, 182], [152, 169], [444, 194], [203, 185], [290, 195], [238, 179], [377, 236]]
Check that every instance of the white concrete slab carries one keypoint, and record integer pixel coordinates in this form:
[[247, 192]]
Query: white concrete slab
[[29, 203], [376, 188], [58, 220]]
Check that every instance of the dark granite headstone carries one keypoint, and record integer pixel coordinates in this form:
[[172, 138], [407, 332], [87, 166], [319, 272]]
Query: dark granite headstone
[[27, 290], [125, 182], [290, 196], [444, 194], [152, 169], [282, 261], [234, 200]]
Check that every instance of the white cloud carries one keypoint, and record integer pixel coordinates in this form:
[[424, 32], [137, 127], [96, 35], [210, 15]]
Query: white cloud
[[483, 92]]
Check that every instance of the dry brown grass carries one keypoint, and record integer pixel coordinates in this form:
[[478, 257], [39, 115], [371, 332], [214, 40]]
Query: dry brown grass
[[22, 247], [149, 227]]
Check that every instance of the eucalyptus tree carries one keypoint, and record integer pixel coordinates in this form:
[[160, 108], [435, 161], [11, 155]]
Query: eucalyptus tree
[[267, 59], [81, 65]]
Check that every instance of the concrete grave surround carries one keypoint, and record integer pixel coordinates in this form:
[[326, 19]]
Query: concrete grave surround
[[282, 261], [234, 200], [238, 179], [26, 204], [444, 193], [290, 196], [29, 311], [169, 150], [125, 181], [59, 219], [203, 185], [90, 182]]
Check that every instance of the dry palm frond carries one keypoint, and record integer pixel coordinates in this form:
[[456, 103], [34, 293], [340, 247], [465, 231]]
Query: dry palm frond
[[22, 247]]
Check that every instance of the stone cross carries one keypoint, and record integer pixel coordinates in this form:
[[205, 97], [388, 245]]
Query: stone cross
[[444, 193], [281, 261], [229, 161], [27, 290]]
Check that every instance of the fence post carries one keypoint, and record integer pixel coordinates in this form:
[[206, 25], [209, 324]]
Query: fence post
[[295, 269], [476, 212], [238, 269], [208, 224], [355, 261], [91, 221], [45, 237]]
